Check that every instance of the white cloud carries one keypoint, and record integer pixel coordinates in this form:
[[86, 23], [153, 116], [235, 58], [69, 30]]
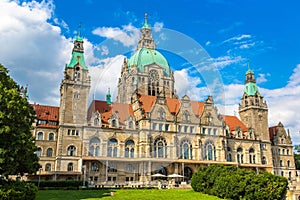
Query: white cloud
[[262, 78], [105, 76], [34, 49], [128, 35], [295, 78], [158, 26], [224, 61], [207, 43], [238, 38]]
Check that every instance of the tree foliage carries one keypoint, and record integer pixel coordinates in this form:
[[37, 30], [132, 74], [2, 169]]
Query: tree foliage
[[230, 182], [297, 160], [17, 148]]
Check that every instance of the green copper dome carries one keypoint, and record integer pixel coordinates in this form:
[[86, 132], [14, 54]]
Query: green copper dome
[[251, 89], [144, 57]]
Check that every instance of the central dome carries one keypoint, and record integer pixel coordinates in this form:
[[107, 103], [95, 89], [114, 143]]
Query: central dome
[[145, 56]]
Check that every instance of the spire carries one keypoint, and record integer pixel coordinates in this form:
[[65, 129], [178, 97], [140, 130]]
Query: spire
[[146, 25], [146, 40], [78, 33], [108, 97], [78, 52], [249, 71]]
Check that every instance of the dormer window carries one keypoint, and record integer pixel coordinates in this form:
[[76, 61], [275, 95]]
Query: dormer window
[[113, 123], [186, 116], [161, 114]]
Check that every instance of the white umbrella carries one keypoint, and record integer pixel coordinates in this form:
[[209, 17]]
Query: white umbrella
[[158, 175], [175, 176]]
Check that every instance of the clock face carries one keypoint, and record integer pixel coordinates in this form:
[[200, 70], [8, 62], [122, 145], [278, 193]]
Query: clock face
[[153, 75]]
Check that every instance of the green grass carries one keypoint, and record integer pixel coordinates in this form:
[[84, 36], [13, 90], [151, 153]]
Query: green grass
[[130, 194]]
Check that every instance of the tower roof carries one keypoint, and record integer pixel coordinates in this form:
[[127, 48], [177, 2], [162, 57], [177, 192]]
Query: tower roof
[[77, 53]]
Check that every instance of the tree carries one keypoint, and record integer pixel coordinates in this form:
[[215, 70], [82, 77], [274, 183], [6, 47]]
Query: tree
[[17, 148]]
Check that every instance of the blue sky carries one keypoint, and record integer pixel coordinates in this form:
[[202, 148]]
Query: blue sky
[[38, 35]]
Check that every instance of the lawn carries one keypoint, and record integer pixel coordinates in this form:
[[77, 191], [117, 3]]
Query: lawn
[[129, 194]]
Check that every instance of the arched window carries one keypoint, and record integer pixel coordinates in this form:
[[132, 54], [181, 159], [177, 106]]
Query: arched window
[[48, 167], [280, 163], [282, 173], [288, 163], [70, 167], [264, 160], [130, 124], [71, 151], [161, 114], [160, 148], [186, 149], [112, 149], [114, 123], [209, 151], [39, 151], [251, 156], [129, 149], [96, 121], [240, 155], [40, 136], [229, 157], [49, 152], [95, 167], [186, 116], [94, 147], [51, 136]]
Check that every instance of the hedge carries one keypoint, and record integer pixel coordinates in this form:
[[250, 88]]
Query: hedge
[[230, 182]]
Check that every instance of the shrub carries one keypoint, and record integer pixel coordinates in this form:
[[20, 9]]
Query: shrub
[[230, 182], [17, 190]]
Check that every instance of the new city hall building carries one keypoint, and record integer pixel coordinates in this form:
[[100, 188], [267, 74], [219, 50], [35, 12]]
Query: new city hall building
[[149, 129]]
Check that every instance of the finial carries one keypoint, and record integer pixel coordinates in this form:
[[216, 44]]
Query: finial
[[248, 64], [79, 29], [146, 21], [108, 97]]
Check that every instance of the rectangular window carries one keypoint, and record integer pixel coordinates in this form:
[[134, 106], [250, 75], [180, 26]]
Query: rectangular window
[[185, 129], [52, 123], [160, 127], [278, 151], [77, 132], [179, 128], [203, 130], [73, 132], [215, 131], [167, 127], [191, 129], [208, 131], [109, 178], [154, 126], [69, 132]]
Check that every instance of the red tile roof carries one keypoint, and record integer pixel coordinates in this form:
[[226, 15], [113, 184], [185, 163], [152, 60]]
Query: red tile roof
[[173, 105], [197, 107], [46, 113], [123, 110], [147, 102], [233, 122]]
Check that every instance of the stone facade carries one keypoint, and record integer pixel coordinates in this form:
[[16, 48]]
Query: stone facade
[[149, 129]]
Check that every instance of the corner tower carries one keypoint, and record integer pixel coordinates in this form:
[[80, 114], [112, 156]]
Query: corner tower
[[147, 71], [253, 109], [75, 88]]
